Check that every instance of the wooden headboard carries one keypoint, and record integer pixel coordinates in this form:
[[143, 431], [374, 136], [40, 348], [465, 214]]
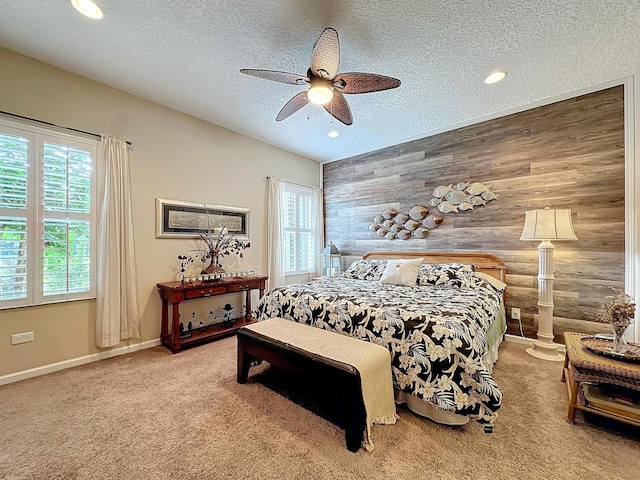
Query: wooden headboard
[[484, 262]]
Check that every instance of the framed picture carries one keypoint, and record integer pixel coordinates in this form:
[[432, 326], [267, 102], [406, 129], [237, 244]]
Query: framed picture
[[177, 219]]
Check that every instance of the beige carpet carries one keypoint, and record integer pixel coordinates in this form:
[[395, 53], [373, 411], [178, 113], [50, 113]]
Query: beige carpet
[[154, 415]]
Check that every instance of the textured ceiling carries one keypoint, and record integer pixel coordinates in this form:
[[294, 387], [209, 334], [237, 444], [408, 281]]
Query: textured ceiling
[[187, 55]]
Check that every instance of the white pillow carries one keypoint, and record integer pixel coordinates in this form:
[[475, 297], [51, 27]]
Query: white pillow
[[401, 272], [492, 280]]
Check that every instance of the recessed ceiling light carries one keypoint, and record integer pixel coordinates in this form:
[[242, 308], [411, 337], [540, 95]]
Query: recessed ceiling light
[[495, 77], [333, 133], [88, 8]]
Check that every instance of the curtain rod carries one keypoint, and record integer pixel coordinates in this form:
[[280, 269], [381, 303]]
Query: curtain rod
[[55, 125], [296, 183]]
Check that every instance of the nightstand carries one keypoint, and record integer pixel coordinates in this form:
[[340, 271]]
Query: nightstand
[[582, 366]]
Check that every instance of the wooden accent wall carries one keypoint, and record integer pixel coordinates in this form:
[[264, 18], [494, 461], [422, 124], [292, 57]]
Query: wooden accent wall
[[568, 154]]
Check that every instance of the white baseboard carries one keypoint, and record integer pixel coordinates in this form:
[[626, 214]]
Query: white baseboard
[[74, 362], [528, 341], [516, 339]]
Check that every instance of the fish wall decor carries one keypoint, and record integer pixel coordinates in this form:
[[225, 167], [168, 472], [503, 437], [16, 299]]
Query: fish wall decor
[[416, 223], [460, 197]]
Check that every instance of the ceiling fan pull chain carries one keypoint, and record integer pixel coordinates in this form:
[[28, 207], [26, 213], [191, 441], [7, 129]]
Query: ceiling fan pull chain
[[331, 111]]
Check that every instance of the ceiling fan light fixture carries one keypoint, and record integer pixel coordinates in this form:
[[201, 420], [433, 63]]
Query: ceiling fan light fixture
[[88, 8], [320, 91], [326, 86], [334, 133], [495, 77]]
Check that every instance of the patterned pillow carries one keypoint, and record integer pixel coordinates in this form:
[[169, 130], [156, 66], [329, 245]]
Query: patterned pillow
[[447, 275], [365, 270], [497, 284]]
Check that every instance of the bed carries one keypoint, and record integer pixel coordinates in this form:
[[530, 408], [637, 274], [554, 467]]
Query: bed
[[443, 333]]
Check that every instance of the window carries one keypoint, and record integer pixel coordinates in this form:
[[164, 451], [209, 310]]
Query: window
[[47, 216], [299, 230]]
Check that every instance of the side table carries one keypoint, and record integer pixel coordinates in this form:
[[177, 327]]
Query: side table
[[581, 365]]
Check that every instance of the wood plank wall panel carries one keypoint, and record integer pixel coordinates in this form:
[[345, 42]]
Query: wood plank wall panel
[[569, 154]]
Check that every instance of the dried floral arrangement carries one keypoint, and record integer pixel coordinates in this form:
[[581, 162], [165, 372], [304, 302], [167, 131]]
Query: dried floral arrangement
[[219, 244], [619, 310]]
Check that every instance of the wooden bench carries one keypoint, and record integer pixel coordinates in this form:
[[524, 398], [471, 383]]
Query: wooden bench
[[341, 377]]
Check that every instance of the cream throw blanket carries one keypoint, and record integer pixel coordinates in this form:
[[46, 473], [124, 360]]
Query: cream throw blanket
[[371, 360]]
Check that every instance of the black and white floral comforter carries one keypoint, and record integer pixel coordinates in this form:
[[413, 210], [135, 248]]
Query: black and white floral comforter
[[436, 335]]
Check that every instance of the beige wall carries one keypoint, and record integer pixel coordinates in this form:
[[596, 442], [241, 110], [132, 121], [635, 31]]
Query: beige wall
[[174, 156]]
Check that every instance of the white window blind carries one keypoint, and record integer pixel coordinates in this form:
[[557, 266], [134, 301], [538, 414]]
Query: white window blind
[[13, 222], [13, 258], [47, 216], [299, 248]]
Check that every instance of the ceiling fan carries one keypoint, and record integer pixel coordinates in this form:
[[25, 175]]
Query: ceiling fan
[[326, 86]]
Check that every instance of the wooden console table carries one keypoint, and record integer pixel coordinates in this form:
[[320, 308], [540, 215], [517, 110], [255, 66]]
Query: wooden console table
[[176, 292]]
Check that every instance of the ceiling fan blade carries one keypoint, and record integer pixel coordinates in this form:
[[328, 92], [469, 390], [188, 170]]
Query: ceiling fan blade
[[355, 82], [292, 106], [282, 77], [339, 108], [325, 58]]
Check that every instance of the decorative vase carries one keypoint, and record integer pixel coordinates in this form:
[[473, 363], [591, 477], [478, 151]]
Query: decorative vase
[[619, 342], [214, 266]]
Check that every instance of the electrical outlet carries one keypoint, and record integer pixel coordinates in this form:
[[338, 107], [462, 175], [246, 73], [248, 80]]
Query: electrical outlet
[[21, 338], [515, 313]]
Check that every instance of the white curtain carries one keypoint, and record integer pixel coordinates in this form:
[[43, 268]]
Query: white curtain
[[275, 264], [318, 222], [117, 303]]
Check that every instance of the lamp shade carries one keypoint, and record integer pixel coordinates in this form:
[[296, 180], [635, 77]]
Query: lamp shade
[[548, 224]]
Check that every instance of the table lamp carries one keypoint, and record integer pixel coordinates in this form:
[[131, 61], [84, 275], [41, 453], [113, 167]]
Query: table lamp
[[546, 225]]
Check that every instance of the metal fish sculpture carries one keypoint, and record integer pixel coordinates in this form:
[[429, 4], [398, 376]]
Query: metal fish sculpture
[[418, 212], [489, 195], [420, 232], [446, 207], [401, 218], [442, 191], [478, 200], [416, 223], [456, 197], [389, 213], [411, 225], [432, 221], [477, 188], [461, 197]]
